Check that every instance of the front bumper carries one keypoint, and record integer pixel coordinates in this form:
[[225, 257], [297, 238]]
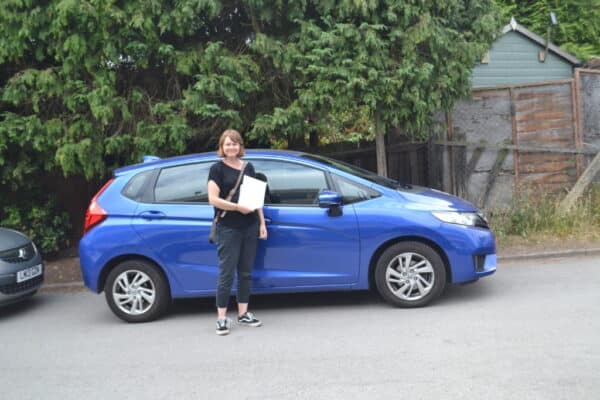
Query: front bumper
[[471, 254], [11, 291]]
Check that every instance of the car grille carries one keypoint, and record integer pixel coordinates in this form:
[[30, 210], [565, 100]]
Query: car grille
[[19, 255], [14, 288]]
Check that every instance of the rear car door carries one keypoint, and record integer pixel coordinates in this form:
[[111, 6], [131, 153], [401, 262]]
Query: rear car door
[[174, 223]]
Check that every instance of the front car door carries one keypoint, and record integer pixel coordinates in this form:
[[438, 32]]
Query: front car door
[[306, 247]]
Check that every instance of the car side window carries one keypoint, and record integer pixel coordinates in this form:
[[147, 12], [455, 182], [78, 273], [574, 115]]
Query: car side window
[[290, 183], [183, 184], [136, 188], [353, 192]]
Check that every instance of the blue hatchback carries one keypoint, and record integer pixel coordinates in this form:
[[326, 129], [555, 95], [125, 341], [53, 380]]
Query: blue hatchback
[[332, 226]]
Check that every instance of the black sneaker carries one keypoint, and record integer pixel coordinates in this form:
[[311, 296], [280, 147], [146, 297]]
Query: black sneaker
[[248, 319], [223, 327]]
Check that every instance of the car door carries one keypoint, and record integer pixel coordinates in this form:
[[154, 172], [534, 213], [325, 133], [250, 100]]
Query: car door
[[175, 223], [306, 246]]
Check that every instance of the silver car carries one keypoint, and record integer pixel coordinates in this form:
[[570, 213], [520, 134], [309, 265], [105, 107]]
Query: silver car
[[21, 267]]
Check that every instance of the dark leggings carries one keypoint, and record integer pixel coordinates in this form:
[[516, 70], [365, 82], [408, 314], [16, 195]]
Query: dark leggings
[[236, 248]]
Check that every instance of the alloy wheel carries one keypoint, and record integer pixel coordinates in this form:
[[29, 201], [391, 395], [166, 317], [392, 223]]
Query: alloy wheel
[[410, 276], [134, 292]]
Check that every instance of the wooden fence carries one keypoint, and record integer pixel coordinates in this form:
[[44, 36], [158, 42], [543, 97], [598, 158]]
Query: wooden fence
[[407, 162], [504, 140]]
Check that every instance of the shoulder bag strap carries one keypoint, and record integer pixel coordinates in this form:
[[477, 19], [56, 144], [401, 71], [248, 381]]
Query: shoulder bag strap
[[235, 187]]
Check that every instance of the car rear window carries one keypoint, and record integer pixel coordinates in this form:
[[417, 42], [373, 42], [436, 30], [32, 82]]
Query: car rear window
[[137, 187]]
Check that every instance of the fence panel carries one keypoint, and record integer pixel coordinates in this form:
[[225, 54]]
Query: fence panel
[[544, 116], [589, 116]]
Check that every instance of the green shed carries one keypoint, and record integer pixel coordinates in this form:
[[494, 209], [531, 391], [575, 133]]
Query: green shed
[[519, 56]]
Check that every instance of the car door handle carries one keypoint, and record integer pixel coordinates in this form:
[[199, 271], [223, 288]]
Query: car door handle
[[152, 214], [267, 221]]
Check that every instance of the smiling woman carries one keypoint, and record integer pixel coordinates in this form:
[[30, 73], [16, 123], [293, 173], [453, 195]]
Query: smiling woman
[[238, 228], [21, 267]]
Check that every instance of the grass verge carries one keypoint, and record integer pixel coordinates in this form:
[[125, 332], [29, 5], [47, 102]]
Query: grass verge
[[539, 219]]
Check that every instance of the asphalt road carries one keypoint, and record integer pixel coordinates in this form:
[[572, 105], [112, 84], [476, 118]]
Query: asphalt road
[[531, 331]]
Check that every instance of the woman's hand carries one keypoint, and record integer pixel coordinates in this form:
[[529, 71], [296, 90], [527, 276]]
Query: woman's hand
[[262, 232]]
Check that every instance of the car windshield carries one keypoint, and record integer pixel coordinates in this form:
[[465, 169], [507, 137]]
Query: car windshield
[[351, 169]]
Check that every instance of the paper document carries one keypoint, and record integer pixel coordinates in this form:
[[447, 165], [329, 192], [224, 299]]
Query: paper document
[[252, 192]]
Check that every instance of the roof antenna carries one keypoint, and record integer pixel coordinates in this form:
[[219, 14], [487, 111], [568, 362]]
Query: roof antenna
[[553, 21]]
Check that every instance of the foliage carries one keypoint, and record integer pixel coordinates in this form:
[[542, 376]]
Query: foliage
[[45, 225], [86, 87], [541, 215], [98, 84], [396, 62], [578, 29]]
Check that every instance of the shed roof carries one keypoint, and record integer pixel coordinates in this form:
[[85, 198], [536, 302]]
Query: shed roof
[[514, 26]]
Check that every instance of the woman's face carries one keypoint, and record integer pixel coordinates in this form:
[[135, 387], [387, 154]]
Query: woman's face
[[230, 148]]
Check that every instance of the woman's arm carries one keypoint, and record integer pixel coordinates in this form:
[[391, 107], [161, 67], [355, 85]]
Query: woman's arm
[[216, 201], [263, 227]]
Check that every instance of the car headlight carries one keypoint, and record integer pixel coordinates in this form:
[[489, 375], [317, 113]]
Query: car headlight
[[461, 218], [20, 254]]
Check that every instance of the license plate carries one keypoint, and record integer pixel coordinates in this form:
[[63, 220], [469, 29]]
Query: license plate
[[29, 273]]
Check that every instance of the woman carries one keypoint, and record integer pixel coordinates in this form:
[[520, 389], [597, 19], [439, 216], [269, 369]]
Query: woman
[[237, 231]]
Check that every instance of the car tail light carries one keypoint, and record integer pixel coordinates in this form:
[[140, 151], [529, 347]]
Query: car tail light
[[95, 214]]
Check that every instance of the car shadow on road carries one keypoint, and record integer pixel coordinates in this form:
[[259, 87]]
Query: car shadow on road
[[454, 294], [279, 301]]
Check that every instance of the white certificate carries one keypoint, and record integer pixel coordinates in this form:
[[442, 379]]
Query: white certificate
[[252, 193]]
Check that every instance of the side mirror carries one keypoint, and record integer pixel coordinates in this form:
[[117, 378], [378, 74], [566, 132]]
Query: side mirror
[[332, 200]]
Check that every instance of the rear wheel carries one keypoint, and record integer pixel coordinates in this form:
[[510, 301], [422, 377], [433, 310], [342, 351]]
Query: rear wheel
[[136, 291], [410, 274]]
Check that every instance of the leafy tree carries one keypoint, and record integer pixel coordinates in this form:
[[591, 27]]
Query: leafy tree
[[398, 61], [89, 86], [578, 29], [99, 83]]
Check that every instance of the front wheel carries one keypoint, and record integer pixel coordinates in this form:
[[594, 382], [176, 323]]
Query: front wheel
[[136, 291], [410, 274]]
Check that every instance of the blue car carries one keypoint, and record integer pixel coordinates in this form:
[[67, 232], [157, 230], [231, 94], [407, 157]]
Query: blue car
[[332, 226]]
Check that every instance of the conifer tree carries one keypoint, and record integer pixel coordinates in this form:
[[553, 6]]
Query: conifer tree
[[89, 86], [398, 61], [578, 29]]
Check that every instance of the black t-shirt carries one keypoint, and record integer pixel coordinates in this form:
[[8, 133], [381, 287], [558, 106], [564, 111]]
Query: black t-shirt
[[225, 177]]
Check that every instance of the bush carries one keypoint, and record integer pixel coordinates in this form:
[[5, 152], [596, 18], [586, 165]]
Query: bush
[[533, 215], [46, 225]]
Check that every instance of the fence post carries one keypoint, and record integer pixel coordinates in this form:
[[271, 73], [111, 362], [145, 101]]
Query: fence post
[[582, 183]]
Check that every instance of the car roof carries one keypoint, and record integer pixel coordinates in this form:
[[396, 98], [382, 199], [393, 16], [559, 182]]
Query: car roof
[[183, 159]]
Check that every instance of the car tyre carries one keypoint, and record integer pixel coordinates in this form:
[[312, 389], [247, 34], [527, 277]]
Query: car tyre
[[136, 291], [410, 274]]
